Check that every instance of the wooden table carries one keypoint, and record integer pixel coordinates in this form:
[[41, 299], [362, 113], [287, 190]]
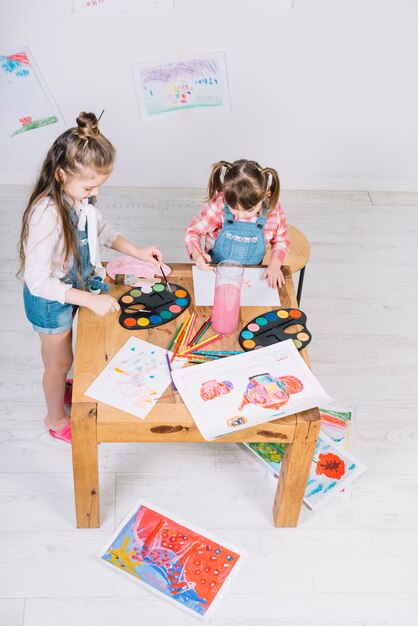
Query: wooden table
[[98, 339]]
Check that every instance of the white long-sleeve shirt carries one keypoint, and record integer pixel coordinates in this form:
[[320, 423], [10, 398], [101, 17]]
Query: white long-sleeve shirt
[[44, 248]]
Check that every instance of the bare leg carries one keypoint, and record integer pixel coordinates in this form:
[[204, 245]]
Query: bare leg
[[57, 355]]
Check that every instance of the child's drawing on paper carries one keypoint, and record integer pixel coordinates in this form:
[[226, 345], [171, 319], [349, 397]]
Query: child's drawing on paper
[[213, 389], [336, 424], [164, 88], [134, 379], [25, 102], [171, 558], [269, 392]]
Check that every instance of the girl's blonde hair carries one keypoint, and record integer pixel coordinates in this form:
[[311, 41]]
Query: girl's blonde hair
[[245, 183], [80, 147]]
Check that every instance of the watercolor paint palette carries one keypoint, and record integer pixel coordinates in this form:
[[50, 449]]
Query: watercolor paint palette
[[269, 328], [151, 306]]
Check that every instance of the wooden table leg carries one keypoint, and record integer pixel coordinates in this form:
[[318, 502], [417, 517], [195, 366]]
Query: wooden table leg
[[295, 469], [85, 465]]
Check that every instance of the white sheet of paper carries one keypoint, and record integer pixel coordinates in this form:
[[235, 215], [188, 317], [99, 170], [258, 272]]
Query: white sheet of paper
[[135, 378], [254, 290], [248, 389]]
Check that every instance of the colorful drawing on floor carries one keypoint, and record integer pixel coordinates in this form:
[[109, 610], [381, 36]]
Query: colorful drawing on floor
[[269, 392], [213, 389], [135, 378], [164, 87], [173, 559], [264, 385], [337, 424], [333, 467], [25, 101]]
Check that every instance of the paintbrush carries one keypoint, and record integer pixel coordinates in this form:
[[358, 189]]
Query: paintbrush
[[166, 281]]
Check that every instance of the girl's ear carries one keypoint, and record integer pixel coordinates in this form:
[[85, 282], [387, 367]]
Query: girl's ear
[[60, 175]]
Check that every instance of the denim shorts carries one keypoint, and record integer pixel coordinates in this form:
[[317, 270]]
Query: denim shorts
[[48, 316]]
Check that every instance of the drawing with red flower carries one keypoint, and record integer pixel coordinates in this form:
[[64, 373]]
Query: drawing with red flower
[[331, 465]]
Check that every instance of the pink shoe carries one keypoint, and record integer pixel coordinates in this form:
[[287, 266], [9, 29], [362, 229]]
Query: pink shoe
[[64, 434], [69, 395]]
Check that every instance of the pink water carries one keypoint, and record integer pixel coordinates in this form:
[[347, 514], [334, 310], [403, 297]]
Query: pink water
[[226, 309]]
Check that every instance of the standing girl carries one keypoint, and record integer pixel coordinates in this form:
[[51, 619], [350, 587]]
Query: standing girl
[[59, 249], [241, 216]]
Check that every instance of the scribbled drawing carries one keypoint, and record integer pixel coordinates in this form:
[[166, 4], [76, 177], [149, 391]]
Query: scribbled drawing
[[269, 392], [213, 389], [336, 424], [25, 101], [332, 470], [166, 87], [134, 379], [172, 558]]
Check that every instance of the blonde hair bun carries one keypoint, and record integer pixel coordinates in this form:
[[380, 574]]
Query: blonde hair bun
[[87, 125]]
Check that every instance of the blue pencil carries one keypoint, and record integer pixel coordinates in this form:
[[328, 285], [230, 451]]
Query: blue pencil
[[216, 352], [169, 369]]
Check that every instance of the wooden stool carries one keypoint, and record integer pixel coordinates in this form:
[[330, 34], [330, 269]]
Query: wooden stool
[[298, 256]]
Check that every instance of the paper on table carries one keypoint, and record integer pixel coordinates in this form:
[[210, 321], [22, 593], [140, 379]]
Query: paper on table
[[135, 378], [252, 388], [254, 290]]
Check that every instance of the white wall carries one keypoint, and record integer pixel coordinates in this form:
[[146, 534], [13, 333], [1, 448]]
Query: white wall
[[327, 92]]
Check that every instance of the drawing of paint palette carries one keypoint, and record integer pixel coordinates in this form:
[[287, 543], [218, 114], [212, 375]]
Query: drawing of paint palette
[[151, 306], [270, 328]]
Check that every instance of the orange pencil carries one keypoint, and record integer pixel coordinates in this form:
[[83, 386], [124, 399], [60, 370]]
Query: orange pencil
[[205, 342], [178, 341], [189, 332]]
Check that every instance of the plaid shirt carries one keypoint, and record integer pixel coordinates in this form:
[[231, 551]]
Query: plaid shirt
[[208, 225]]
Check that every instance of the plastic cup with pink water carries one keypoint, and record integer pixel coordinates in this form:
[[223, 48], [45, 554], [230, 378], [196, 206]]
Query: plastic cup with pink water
[[226, 304]]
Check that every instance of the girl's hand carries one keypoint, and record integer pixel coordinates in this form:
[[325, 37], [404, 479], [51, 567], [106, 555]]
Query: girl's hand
[[274, 275], [202, 260], [103, 304], [151, 254]]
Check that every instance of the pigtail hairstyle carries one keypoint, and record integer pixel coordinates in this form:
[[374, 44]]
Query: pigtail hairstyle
[[245, 183], [80, 147], [272, 189], [215, 181]]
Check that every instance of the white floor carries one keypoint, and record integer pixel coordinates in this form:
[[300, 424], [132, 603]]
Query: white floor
[[352, 563]]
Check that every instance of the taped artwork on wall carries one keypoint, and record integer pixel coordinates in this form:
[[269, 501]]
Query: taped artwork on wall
[[164, 87], [174, 559], [26, 103]]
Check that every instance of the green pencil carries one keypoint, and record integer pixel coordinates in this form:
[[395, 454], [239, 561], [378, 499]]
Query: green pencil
[[170, 345]]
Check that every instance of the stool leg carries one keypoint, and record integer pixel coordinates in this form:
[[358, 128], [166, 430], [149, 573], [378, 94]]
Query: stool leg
[[300, 285]]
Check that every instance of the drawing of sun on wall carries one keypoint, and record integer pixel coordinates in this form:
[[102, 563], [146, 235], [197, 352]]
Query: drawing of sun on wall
[[166, 87]]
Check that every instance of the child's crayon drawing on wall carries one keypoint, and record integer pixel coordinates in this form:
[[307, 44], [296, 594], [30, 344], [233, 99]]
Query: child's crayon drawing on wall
[[166, 87], [25, 101], [173, 559]]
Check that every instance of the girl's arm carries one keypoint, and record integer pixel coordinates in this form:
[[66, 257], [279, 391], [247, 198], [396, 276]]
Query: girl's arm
[[101, 304], [203, 226], [151, 253], [276, 233]]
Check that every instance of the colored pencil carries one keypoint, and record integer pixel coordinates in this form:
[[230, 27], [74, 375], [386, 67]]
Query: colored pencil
[[216, 352], [200, 330], [169, 369], [204, 329], [170, 345], [165, 278], [205, 342], [185, 331], [190, 329], [178, 340]]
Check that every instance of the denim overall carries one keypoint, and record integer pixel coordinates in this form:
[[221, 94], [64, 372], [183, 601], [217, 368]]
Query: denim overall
[[240, 241], [49, 316]]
